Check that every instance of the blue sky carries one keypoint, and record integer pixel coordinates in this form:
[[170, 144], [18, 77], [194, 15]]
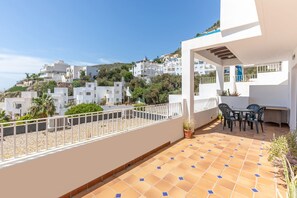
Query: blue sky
[[34, 32]]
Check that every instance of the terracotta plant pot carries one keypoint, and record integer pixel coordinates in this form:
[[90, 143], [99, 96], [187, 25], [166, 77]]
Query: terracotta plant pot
[[188, 134]]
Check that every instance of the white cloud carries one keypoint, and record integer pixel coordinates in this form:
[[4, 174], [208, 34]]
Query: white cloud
[[105, 61], [13, 67], [82, 63], [13, 63]]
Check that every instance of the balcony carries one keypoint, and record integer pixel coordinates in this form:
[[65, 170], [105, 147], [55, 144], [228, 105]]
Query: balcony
[[213, 163]]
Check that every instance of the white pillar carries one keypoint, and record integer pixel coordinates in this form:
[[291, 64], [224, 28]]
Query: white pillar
[[220, 79], [188, 83], [293, 98], [232, 72]]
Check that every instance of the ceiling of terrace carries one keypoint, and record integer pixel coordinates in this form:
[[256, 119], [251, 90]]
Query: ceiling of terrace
[[222, 52]]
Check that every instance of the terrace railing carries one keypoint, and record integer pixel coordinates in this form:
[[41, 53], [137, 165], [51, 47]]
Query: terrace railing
[[205, 104], [25, 138], [207, 80], [271, 67], [245, 78]]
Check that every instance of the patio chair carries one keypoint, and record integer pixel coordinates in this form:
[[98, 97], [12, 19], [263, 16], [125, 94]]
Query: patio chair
[[256, 118], [229, 116], [254, 107]]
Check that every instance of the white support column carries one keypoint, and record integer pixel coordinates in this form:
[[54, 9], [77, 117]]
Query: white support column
[[188, 83], [220, 78], [232, 71], [293, 98]]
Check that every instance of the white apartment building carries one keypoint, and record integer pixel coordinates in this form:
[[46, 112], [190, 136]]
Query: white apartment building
[[55, 71], [174, 66], [73, 72], [19, 106], [92, 93], [60, 97], [147, 69]]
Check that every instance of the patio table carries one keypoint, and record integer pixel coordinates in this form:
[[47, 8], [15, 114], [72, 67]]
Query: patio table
[[240, 112]]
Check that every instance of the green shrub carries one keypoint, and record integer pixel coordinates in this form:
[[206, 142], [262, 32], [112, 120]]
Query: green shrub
[[17, 88], [83, 108], [139, 106], [292, 144], [278, 148]]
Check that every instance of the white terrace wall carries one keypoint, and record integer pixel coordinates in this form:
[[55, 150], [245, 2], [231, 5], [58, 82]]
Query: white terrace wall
[[58, 173], [270, 95]]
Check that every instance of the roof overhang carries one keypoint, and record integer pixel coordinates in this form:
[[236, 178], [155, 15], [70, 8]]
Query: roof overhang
[[273, 38]]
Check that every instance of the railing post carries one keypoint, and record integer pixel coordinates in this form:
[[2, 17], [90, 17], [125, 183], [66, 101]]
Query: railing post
[[46, 132], [56, 135], [14, 139], [26, 134], [37, 129], [2, 139]]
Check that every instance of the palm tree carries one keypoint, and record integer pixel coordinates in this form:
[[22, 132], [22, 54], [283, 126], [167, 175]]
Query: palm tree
[[4, 117], [43, 106]]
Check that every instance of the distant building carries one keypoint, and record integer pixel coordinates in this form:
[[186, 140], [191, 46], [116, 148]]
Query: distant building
[[19, 106], [174, 66], [147, 69], [74, 72], [60, 97], [55, 71], [92, 93]]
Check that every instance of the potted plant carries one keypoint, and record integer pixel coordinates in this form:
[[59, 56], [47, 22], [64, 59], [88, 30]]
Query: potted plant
[[188, 126]]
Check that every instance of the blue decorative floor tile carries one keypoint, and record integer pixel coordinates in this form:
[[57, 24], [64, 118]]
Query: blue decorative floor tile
[[141, 179], [118, 195], [254, 190], [259, 164], [201, 157], [159, 167], [226, 165], [172, 158], [261, 155], [165, 194], [182, 151], [231, 156], [180, 178], [220, 177], [193, 166], [209, 150], [257, 175], [191, 144], [210, 192]]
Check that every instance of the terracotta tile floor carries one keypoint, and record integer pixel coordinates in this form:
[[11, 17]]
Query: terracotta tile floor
[[215, 163]]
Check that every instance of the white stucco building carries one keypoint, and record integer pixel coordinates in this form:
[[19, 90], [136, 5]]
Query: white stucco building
[[60, 97], [147, 69], [174, 66], [19, 106], [73, 72], [54, 71], [252, 32], [92, 93]]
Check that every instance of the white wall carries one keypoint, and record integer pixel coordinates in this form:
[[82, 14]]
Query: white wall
[[56, 174], [204, 117], [235, 101], [245, 12], [270, 95]]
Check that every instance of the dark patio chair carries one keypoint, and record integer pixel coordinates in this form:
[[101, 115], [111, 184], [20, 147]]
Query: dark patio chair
[[254, 107], [256, 118], [229, 116]]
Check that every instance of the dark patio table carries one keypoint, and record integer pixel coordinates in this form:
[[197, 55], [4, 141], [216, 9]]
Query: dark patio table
[[240, 112]]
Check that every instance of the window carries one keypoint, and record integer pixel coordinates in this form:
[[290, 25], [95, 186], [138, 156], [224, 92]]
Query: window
[[88, 93], [118, 100], [18, 106], [117, 92], [89, 85], [118, 85]]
